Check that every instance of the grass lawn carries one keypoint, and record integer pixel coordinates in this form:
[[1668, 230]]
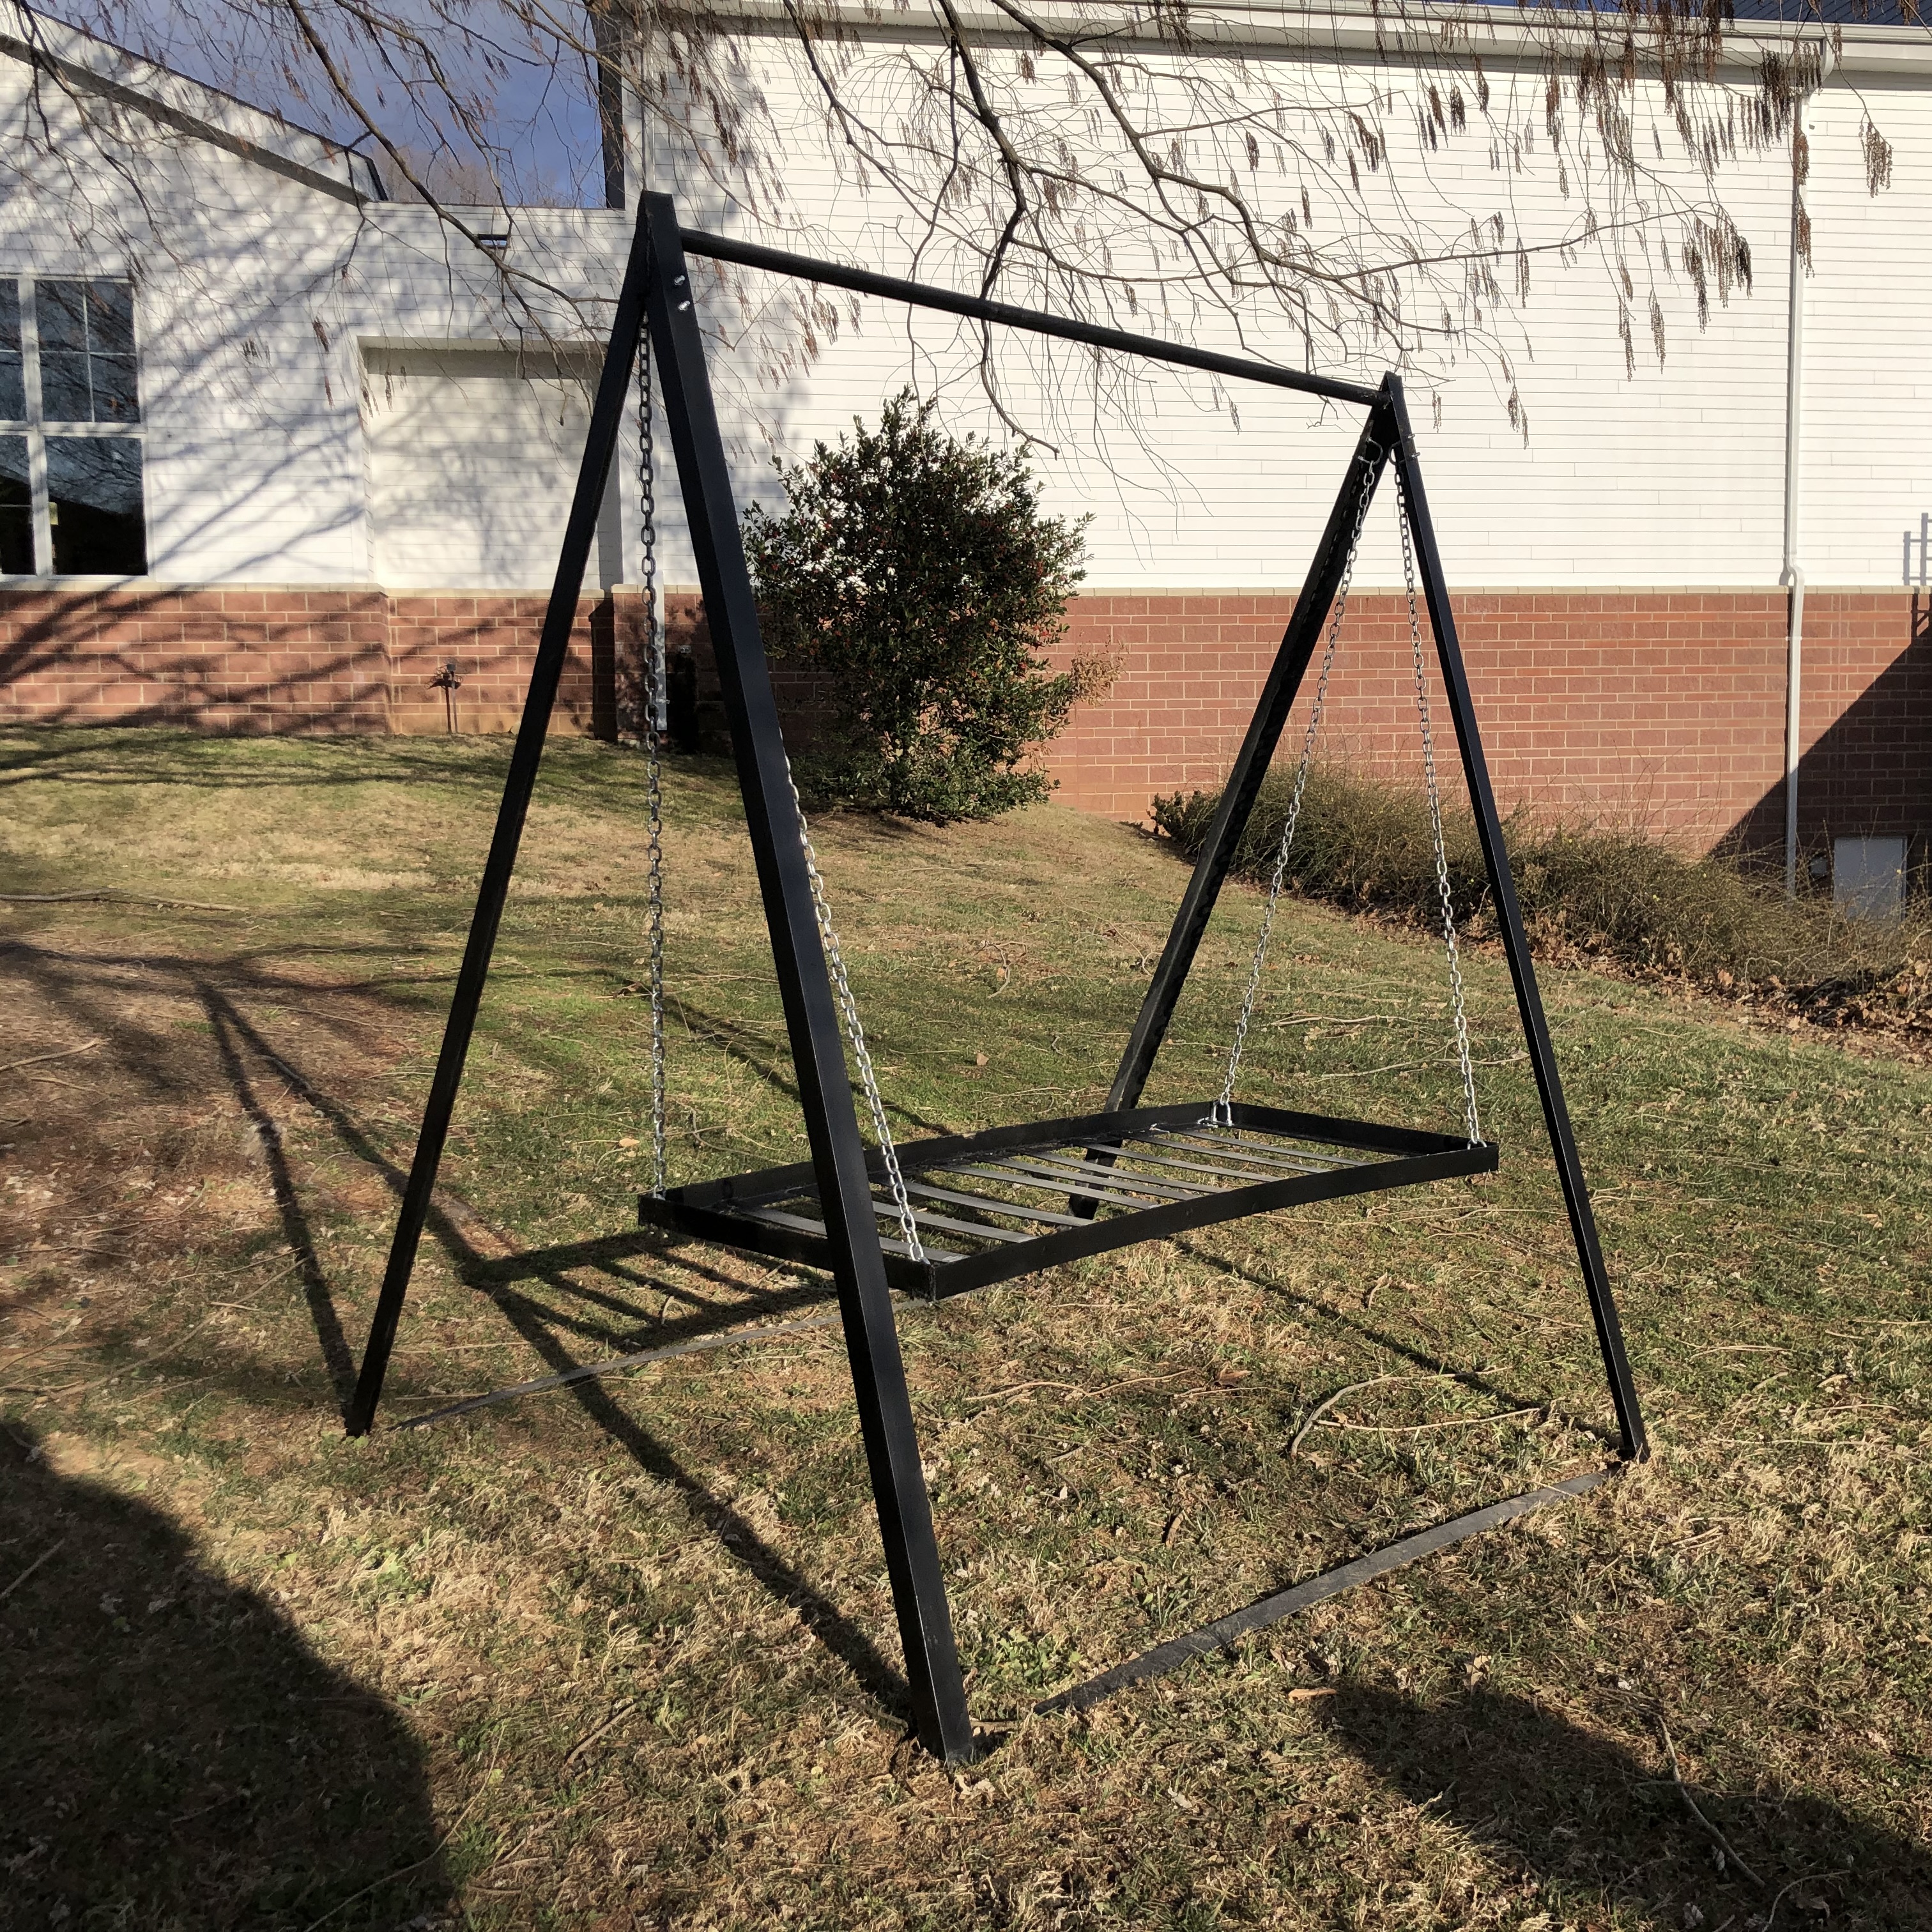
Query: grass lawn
[[623, 1655]]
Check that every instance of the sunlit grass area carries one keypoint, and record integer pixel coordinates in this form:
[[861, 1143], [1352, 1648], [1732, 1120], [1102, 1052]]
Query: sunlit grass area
[[624, 1654]]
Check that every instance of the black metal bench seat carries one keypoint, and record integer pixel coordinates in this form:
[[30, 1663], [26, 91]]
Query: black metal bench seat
[[1013, 1200]]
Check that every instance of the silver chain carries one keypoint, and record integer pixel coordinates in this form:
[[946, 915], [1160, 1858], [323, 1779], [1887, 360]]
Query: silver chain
[[656, 721], [855, 1032], [1470, 1121], [1223, 1113]]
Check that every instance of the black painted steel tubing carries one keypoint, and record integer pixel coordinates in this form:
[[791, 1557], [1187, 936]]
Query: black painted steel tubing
[[607, 417], [811, 1020], [1635, 1445], [1006, 315], [1225, 1632], [656, 303]]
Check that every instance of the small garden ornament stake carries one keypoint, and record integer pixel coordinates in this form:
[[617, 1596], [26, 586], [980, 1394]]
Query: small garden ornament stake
[[938, 1216], [447, 682]]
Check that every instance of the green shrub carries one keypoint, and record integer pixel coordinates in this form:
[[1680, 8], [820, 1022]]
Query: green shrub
[[1586, 893], [914, 572]]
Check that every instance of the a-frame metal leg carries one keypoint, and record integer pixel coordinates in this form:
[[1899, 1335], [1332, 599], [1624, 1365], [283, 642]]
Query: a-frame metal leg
[[817, 1046], [1634, 1445], [607, 417], [657, 293], [1250, 767], [1251, 764]]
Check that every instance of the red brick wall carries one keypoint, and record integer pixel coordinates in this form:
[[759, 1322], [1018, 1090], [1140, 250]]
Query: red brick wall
[[1662, 707], [1868, 713], [1665, 707], [279, 659], [490, 637]]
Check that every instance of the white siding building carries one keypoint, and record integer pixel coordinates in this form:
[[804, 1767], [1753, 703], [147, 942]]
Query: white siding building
[[356, 432]]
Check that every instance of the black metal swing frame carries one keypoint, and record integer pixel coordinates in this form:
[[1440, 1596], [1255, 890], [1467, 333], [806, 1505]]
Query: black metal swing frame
[[1127, 1173]]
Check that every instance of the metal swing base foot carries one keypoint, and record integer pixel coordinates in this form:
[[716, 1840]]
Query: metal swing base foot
[[1225, 1632]]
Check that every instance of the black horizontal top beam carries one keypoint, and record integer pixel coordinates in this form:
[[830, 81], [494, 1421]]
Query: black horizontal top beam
[[923, 294]]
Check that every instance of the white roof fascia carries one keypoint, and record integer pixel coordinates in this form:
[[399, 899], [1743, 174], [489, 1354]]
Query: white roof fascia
[[1418, 31]]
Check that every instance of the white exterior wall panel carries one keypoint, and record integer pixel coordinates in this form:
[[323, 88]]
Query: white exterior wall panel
[[252, 468], [1867, 469], [1669, 476], [261, 300], [256, 297]]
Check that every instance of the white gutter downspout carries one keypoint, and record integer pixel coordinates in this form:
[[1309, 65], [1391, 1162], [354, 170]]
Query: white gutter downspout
[[1793, 577]]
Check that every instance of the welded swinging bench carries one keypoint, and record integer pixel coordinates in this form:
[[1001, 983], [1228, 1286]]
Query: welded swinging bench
[[936, 1217]]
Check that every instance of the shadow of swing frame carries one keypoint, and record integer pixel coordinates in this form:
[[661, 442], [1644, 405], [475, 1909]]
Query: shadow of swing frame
[[655, 310]]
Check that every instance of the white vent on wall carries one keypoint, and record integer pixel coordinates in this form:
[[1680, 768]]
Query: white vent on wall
[[1868, 877]]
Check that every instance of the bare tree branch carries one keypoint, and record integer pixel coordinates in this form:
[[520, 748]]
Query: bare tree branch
[[1356, 175]]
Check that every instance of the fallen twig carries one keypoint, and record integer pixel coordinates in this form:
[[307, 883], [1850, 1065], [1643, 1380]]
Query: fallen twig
[[68, 1340], [34, 1060], [1335, 1019], [1020, 1388], [146, 1362], [589, 1738], [31, 1568], [1136, 1381], [202, 1811], [1423, 1428], [1321, 1408], [1811, 1878], [1722, 1843], [403, 1871], [111, 899]]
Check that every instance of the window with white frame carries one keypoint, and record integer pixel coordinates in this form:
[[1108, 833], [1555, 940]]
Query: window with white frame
[[71, 494]]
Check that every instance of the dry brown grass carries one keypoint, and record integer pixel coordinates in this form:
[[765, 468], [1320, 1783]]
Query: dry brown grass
[[624, 1656]]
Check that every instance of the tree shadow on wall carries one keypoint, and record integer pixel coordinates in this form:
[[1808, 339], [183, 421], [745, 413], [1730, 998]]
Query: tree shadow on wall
[[172, 1752], [1581, 1819], [1869, 771]]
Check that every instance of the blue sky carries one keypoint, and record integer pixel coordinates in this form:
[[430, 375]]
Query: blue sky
[[532, 97]]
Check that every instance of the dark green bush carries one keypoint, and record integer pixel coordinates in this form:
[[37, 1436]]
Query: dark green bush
[[1586, 893], [914, 573]]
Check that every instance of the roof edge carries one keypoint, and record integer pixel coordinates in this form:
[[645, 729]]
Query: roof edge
[[73, 58], [1421, 29]]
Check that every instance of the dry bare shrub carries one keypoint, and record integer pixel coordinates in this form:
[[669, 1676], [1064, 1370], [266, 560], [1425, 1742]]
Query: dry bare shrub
[[1590, 893]]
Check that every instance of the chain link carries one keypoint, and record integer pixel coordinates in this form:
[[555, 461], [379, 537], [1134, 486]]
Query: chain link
[[656, 721], [855, 1032], [1223, 1113], [1469, 1118]]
